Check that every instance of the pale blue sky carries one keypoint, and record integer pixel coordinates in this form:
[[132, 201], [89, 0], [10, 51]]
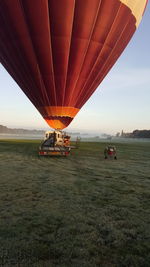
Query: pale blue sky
[[122, 101]]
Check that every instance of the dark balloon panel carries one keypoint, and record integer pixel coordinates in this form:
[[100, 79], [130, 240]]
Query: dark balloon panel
[[59, 51]]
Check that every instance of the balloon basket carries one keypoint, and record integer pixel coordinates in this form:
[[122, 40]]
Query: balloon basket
[[56, 143]]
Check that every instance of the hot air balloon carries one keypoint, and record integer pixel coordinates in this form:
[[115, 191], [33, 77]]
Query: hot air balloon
[[59, 51]]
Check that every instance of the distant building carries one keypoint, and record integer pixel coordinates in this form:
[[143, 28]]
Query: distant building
[[136, 134]]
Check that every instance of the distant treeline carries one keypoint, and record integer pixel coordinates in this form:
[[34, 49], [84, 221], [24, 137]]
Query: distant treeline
[[5, 130], [141, 134], [137, 134]]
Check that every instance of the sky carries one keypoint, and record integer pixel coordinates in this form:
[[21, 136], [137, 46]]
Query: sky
[[121, 102]]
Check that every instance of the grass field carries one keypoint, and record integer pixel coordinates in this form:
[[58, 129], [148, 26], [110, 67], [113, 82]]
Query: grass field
[[76, 211]]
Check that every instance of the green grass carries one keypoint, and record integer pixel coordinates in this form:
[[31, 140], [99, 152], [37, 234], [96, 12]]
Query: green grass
[[76, 211]]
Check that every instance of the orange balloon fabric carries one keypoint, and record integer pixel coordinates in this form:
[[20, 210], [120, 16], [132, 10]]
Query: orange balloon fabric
[[60, 51]]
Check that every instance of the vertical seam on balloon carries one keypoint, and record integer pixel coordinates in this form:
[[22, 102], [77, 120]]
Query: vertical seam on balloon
[[73, 14], [27, 28], [85, 96], [9, 69], [38, 70], [20, 58], [92, 30], [20, 53], [43, 89], [50, 39], [81, 92], [84, 100], [129, 37]]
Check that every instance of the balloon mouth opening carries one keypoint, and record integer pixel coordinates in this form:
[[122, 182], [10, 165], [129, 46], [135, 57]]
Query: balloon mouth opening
[[58, 123]]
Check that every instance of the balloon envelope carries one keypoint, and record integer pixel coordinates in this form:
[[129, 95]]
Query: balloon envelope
[[59, 51]]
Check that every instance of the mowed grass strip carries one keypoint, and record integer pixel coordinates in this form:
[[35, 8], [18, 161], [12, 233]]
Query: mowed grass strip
[[80, 210]]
